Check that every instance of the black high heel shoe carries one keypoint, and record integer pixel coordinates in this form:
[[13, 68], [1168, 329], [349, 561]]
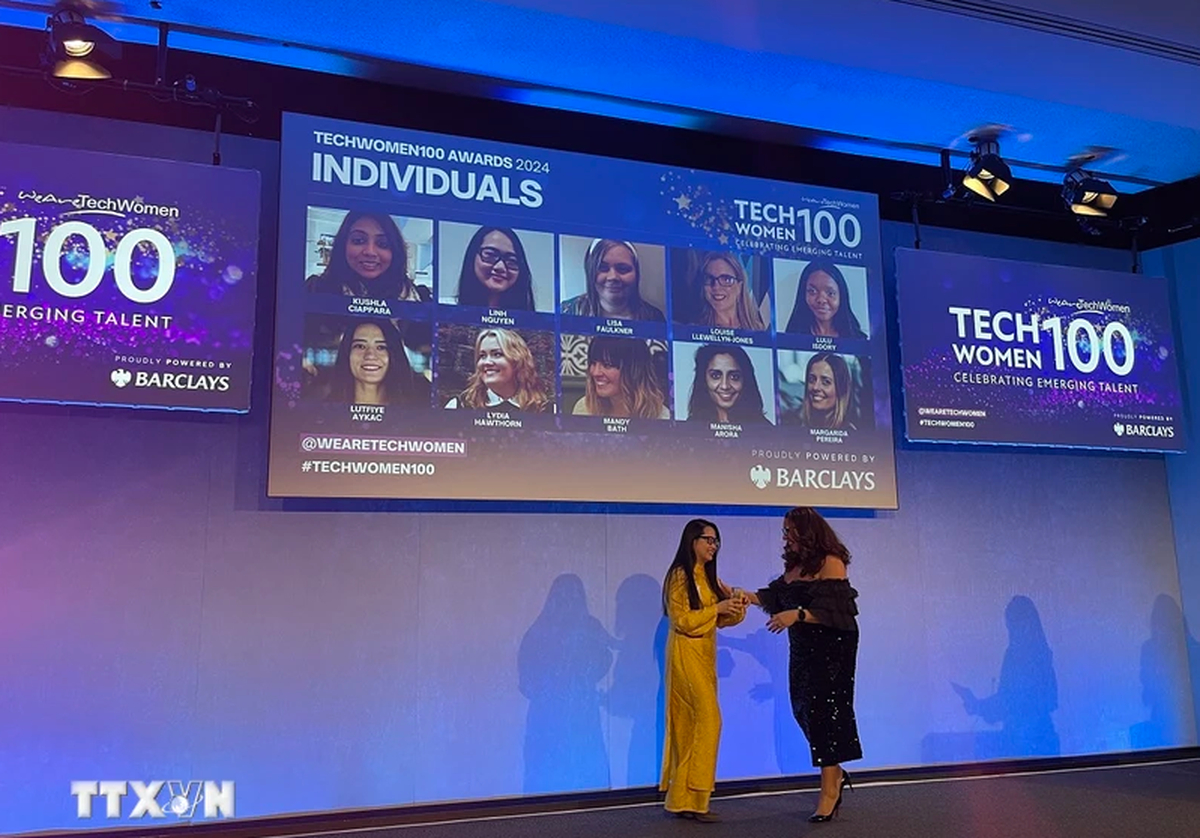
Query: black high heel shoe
[[816, 818], [845, 784]]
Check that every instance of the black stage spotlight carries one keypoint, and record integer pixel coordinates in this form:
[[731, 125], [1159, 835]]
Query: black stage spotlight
[[74, 47], [1086, 194], [987, 175]]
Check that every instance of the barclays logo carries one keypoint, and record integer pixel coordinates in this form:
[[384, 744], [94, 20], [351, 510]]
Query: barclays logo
[[760, 476]]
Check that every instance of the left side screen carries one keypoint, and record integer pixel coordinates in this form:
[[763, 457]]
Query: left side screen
[[126, 281]]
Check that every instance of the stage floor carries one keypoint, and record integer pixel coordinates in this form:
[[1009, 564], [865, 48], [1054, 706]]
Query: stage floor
[[1156, 799]]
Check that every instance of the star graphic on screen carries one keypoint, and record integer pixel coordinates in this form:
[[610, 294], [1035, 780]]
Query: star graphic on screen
[[683, 201], [110, 236], [723, 239]]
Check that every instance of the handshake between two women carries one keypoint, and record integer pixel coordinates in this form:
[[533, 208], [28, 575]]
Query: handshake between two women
[[734, 610]]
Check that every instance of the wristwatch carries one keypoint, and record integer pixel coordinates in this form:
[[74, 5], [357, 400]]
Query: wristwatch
[[800, 612]]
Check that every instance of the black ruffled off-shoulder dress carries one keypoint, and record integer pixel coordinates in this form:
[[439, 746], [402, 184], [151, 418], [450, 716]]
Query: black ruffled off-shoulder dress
[[822, 659]]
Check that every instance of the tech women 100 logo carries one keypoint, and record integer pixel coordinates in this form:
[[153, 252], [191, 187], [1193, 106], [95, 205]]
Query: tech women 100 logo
[[112, 264]]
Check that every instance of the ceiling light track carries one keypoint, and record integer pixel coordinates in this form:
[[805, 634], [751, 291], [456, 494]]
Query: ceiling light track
[[1066, 27], [78, 57], [1086, 194], [77, 50], [987, 175]]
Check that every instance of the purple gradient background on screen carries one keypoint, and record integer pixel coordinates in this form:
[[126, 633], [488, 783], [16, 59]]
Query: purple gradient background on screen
[[210, 306], [162, 619], [931, 282]]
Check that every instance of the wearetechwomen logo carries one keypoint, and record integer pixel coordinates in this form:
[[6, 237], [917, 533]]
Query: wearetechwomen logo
[[155, 799]]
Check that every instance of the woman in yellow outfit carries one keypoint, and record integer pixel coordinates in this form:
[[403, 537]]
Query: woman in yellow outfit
[[696, 603]]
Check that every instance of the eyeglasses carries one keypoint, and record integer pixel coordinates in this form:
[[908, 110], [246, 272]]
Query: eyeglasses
[[724, 280], [490, 256], [711, 539]]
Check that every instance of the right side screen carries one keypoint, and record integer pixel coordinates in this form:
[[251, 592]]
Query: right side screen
[[1017, 353]]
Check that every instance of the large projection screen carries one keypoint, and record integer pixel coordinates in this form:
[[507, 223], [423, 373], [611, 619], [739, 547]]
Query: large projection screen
[[1016, 353], [126, 281], [466, 319]]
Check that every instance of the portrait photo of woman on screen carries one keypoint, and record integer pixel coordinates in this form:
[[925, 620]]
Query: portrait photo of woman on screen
[[495, 267], [368, 258], [826, 393], [714, 289], [495, 272], [724, 386], [823, 304], [372, 368], [621, 381], [504, 376], [823, 390], [612, 273]]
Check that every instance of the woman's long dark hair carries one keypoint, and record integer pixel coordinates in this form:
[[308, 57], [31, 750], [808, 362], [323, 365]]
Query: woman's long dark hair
[[471, 291], [749, 406], [815, 540], [685, 560], [802, 320], [639, 381], [842, 413], [338, 276], [400, 385]]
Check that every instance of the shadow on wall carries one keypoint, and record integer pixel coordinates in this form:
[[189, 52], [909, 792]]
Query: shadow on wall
[[791, 749], [1026, 695], [561, 662], [1170, 706], [1194, 668], [640, 641]]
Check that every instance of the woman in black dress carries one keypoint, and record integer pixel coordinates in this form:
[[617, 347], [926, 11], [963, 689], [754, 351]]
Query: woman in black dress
[[813, 600]]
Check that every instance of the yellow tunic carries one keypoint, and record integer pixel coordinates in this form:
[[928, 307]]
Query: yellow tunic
[[693, 715]]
